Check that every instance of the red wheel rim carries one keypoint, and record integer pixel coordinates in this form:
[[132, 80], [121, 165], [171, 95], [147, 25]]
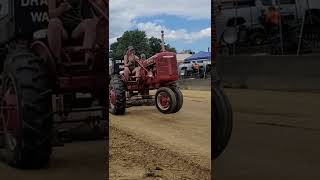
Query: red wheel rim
[[9, 115], [163, 101]]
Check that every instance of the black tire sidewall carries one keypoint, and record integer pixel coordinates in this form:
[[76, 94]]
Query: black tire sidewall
[[12, 157], [179, 97], [222, 122]]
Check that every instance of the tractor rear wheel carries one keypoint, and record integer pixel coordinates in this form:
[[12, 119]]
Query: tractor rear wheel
[[26, 116], [117, 96], [222, 121], [179, 97], [166, 100]]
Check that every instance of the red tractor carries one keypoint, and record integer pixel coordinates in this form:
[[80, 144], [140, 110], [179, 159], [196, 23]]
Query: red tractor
[[38, 93], [159, 73]]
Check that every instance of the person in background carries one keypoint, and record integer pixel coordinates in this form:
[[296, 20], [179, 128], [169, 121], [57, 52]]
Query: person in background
[[143, 57], [272, 18], [196, 68]]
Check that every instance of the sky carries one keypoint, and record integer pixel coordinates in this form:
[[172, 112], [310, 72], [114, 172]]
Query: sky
[[186, 23]]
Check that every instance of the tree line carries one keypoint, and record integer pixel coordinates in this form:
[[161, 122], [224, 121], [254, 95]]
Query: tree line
[[141, 43]]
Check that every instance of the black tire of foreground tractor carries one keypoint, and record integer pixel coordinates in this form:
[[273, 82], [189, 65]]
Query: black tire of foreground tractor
[[222, 122], [117, 86], [179, 97], [25, 78], [165, 92]]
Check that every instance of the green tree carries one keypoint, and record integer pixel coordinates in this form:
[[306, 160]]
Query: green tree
[[155, 46], [140, 42], [169, 48], [137, 39]]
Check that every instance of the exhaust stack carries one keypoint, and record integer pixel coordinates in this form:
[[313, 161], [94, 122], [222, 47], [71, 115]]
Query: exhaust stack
[[162, 42]]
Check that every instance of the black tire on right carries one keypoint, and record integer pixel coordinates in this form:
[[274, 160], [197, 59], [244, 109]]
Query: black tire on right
[[222, 121], [120, 107]]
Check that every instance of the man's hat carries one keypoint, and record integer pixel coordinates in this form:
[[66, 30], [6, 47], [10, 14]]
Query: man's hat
[[130, 48]]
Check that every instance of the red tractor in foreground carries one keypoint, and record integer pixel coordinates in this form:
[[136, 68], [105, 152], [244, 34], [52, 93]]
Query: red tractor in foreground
[[41, 97], [159, 73]]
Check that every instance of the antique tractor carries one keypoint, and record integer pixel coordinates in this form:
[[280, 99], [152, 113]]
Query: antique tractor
[[38, 93], [159, 73]]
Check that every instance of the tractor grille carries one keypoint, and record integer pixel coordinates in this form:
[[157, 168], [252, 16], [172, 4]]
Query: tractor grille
[[167, 66]]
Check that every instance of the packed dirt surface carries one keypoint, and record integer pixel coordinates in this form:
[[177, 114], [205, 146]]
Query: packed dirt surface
[[146, 144], [77, 160], [275, 136]]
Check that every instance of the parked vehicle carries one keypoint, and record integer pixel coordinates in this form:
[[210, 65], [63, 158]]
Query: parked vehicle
[[186, 70]]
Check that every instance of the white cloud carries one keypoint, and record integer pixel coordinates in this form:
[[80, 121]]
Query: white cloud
[[124, 12], [153, 30]]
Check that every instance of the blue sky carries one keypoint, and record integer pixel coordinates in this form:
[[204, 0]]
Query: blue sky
[[185, 26]]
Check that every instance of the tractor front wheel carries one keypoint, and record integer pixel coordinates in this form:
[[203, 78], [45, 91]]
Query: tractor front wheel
[[117, 96], [179, 97], [26, 117], [166, 100]]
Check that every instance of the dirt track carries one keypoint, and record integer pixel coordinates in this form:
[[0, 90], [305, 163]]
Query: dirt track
[[146, 144], [275, 136], [77, 160]]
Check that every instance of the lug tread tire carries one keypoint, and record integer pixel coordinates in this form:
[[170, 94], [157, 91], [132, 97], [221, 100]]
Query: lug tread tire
[[29, 76], [120, 107]]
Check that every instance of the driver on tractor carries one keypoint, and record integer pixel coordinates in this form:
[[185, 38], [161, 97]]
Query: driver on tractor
[[67, 22], [130, 64]]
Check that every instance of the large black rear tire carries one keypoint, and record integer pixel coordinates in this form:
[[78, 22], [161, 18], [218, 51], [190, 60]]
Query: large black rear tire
[[222, 121], [116, 86], [25, 77]]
